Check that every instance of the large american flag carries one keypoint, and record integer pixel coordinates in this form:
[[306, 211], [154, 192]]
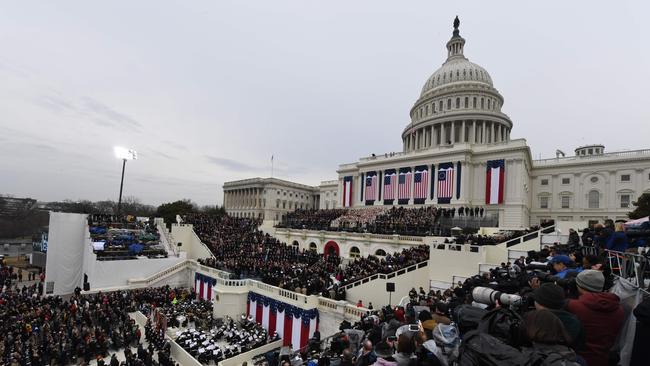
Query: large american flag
[[389, 186], [404, 186], [446, 181], [371, 187], [420, 184]]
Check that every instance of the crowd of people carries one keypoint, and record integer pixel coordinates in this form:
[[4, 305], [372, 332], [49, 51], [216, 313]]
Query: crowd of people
[[357, 218], [284, 266], [429, 220], [56, 331], [312, 219], [557, 306]]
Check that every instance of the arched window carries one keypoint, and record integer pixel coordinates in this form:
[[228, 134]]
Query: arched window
[[482, 103], [474, 103], [354, 252], [312, 246], [593, 199], [440, 106], [449, 104], [489, 103], [380, 253], [426, 110], [295, 245], [457, 103], [466, 102]]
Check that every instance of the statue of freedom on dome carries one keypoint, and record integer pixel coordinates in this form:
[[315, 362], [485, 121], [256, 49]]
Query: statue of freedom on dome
[[456, 23]]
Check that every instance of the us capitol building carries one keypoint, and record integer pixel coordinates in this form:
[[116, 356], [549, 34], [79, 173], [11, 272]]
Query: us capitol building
[[457, 151]]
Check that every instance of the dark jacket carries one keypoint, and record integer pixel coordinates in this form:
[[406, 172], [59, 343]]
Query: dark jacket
[[573, 327], [640, 350], [601, 315], [550, 355], [617, 241]]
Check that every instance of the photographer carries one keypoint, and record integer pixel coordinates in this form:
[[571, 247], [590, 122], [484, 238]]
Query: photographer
[[561, 264]]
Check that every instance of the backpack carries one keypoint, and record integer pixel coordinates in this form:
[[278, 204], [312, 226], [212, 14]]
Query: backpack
[[448, 341], [504, 324], [467, 317]]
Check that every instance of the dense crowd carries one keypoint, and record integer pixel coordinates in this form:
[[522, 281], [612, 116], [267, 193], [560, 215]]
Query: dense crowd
[[56, 331], [429, 220], [312, 219], [557, 306], [252, 254], [357, 218]]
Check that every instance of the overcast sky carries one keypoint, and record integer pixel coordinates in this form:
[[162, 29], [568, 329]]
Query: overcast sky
[[207, 91]]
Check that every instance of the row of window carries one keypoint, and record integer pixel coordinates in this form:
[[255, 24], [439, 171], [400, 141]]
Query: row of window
[[593, 200], [290, 205], [291, 194], [594, 179], [430, 109]]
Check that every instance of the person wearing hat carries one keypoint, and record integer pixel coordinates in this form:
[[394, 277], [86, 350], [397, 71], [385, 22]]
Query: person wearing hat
[[601, 315], [551, 297], [561, 265]]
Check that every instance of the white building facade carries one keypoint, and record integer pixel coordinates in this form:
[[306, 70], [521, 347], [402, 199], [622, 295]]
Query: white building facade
[[457, 123], [267, 198], [457, 152]]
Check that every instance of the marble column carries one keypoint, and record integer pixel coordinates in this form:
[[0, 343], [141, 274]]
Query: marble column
[[462, 132], [452, 137], [443, 140]]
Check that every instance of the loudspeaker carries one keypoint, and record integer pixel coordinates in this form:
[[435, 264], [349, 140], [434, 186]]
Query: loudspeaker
[[87, 286], [390, 286]]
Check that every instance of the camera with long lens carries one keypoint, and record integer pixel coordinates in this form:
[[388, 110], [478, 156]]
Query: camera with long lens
[[488, 296]]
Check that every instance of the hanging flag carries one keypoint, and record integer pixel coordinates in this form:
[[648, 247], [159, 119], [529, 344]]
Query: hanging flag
[[494, 182], [420, 183], [445, 182], [347, 191], [404, 185], [371, 187], [389, 185], [295, 326], [203, 286]]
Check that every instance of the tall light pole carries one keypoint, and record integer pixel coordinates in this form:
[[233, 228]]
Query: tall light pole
[[124, 154]]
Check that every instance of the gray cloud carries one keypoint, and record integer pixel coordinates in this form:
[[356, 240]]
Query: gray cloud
[[104, 113], [232, 165]]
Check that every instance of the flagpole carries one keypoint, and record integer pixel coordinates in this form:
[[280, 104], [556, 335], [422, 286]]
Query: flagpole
[[271, 166]]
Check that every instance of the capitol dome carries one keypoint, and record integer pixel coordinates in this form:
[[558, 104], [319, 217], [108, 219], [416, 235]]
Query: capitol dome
[[456, 70], [457, 104]]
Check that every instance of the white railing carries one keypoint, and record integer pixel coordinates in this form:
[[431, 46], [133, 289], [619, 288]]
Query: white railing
[[166, 237], [612, 155]]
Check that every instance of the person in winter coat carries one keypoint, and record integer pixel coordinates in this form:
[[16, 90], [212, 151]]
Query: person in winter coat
[[367, 355], [384, 355], [549, 340], [618, 240], [551, 296], [640, 350], [601, 315], [574, 238]]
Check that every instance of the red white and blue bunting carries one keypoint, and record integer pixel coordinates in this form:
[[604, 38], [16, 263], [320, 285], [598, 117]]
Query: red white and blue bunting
[[203, 286], [294, 325]]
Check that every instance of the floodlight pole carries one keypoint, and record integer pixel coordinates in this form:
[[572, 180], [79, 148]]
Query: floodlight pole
[[119, 202]]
